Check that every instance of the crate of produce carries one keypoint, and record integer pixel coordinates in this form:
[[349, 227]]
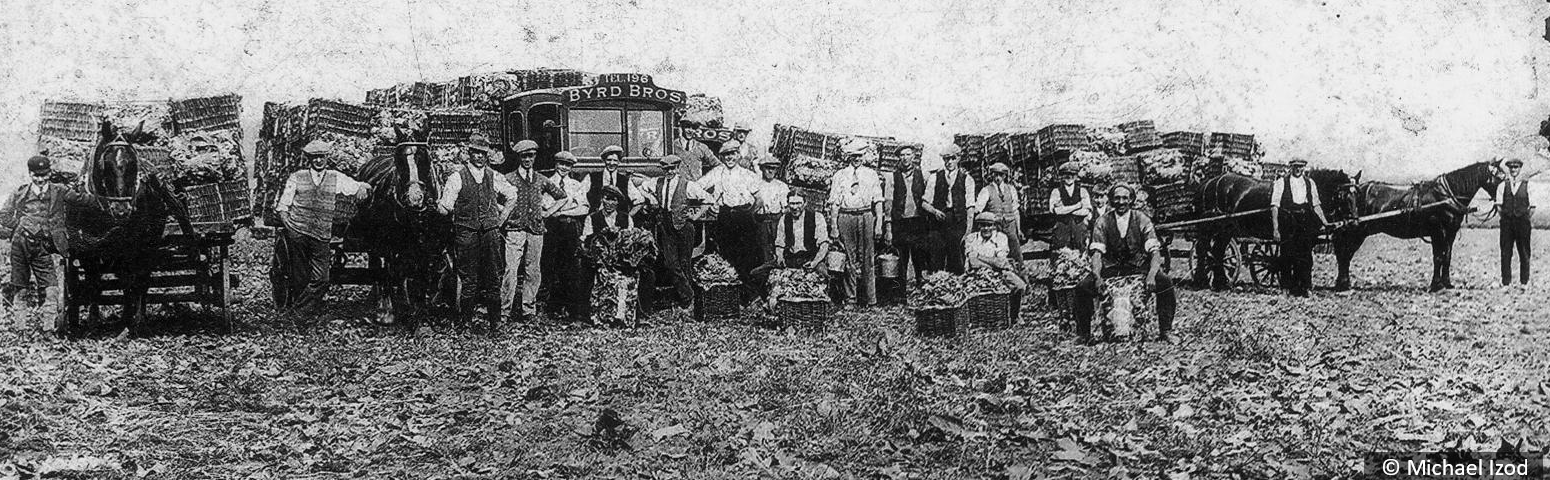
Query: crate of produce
[[971, 146], [1191, 143], [156, 159], [224, 202], [1125, 169], [1140, 136], [340, 117], [1273, 170], [75, 121], [454, 127], [1055, 138], [1023, 149], [206, 114], [1172, 201], [1236, 144], [804, 315], [988, 311], [1164, 165]]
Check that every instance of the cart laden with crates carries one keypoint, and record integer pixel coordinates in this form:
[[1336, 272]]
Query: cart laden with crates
[[809, 159], [194, 145]]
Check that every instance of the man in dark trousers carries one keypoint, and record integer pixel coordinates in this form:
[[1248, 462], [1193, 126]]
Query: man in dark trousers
[[477, 198], [669, 196], [1298, 217], [1512, 202], [562, 242], [1072, 206], [1124, 242], [34, 219], [909, 216], [306, 206], [801, 241], [952, 193]]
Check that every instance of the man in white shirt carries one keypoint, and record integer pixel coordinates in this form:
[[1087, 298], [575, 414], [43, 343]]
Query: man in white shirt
[[306, 208], [801, 241], [771, 195], [1000, 197], [562, 243], [1294, 209], [477, 198], [668, 197], [953, 194], [611, 175], [907, 225], [987, 248], [1072, 206], [735, 187], [1513, 203], [1124, 242], [856, 205]]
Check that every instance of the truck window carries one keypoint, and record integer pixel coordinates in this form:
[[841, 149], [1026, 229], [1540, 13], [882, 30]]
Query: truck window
[[646, 136], [593, 130]]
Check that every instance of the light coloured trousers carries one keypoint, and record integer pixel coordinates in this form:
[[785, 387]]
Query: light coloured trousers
[[523, 251], [856, 232]]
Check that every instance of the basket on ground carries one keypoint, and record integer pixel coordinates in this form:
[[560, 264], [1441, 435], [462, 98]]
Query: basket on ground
[[938, 321], [720, 300], [989, 311], [805, 315]]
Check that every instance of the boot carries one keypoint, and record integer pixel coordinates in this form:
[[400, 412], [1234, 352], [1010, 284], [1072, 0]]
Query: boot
[[1017, 307]]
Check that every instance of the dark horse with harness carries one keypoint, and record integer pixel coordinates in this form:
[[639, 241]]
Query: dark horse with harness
[[119, 224], [1244, 201], [1432, 210], [407, 240]]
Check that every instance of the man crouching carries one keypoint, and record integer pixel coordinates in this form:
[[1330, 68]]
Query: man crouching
[[1124, 242]]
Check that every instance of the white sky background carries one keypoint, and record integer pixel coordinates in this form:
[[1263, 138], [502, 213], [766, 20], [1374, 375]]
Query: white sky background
[[1399, 88]]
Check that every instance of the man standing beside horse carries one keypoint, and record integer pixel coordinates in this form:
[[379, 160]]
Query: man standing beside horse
[[34, 220], [1297, 217], [476, 197], [1512, 202], [306, 207]]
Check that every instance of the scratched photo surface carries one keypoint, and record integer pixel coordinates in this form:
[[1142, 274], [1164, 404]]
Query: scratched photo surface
[[1260, 384]]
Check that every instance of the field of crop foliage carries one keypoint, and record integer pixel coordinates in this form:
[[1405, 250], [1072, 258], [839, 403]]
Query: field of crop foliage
[[1260, 386]]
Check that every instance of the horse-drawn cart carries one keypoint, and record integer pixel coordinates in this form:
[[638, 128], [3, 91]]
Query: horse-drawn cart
[[189, 269]]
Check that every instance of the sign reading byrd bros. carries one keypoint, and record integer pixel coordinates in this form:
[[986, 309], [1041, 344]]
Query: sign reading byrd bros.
[[623, 87]]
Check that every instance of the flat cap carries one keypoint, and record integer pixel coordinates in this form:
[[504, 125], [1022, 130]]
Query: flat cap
[[1000, 168], [856, 146], [1298, 162], [951, 150], [565, 158], [38, 163], [669, 161], [317, 147], [612, 150], [524, 146], [984, 217], [766, 161], [1070, 167], [730, 146], [479, 142], [1513, 162], [610, 191]]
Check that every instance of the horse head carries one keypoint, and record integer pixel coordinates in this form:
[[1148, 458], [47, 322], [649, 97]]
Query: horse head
[[414, 186], [1337, 191], [113, 173]]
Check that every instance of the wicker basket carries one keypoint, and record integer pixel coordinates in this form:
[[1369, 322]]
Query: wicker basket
[[938, 322], [207, 114], [223, 202], [804, 315], [989, 311], [1063, 299], [719, 301]]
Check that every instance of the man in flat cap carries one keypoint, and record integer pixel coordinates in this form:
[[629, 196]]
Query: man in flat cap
[[477, 198], [562, 242], [772, 202], [611, 175], [1072, 206], [856, 206], [306, 209], [669, 197], [907, 223], [1513, 203], [696, 157], [734, 187], [1000, 197], [34, 219], [1124, 242], [524, 231], [952, 192], [1297, 216]]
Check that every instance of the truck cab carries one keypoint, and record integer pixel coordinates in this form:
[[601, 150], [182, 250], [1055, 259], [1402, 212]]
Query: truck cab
[[627, 110]]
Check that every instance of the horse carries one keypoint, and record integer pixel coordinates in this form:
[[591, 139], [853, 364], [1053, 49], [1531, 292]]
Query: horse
[[407, 241], [1439, 225], [120, 221], [1231, 193]]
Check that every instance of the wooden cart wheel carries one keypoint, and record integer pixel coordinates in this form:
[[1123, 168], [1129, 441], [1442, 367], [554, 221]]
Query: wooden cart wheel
[[277, 280], [224, 293], [1232, 260], [1262, 260]]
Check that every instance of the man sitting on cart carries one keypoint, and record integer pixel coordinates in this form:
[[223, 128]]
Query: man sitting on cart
[[1124, 242], [306, 210]]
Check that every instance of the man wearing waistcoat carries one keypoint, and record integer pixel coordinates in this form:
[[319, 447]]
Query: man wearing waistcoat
[[669, 196], [1072, 206], [524, 231], [608, 216], [801, 241], [909, 216], [1000, 197], [610, 175], [34, 220], [1124, 242], [1298, 217], [477, 199], [1512, 202], [952, 194], [306, 207]]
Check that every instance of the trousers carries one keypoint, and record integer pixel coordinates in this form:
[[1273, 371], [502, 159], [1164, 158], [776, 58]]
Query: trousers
[[524, 251], [1086, 292], [1515, 232], [306, 270], [677, 249], [478, 265], [562, 244], [1298, 232], [32, 264], [857, 234], [913, 241]]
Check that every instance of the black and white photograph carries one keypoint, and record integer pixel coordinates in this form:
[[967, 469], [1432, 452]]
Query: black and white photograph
[[786, 239]]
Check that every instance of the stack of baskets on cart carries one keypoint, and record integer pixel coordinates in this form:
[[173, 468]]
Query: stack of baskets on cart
[[809, 158]]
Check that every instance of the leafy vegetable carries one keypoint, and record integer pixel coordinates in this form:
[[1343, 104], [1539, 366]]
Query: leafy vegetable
[[615, 248], [615, 297], [714, 270], [985, 280], [798, 284], [940, 289], [1109, 140], [1165, 165], [1069, 269]]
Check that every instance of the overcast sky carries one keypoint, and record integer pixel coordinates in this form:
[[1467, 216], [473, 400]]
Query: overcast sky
[[1399, 88]]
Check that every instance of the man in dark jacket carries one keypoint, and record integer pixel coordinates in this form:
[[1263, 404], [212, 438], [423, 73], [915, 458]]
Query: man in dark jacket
[[909, 216], [952, 193], [34, 219], [1124, 242], [1512, 202]]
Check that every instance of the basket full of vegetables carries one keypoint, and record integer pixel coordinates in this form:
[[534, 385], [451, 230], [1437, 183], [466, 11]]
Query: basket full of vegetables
[[937, 305], [801, 299], [721, 291], [989, 303]]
